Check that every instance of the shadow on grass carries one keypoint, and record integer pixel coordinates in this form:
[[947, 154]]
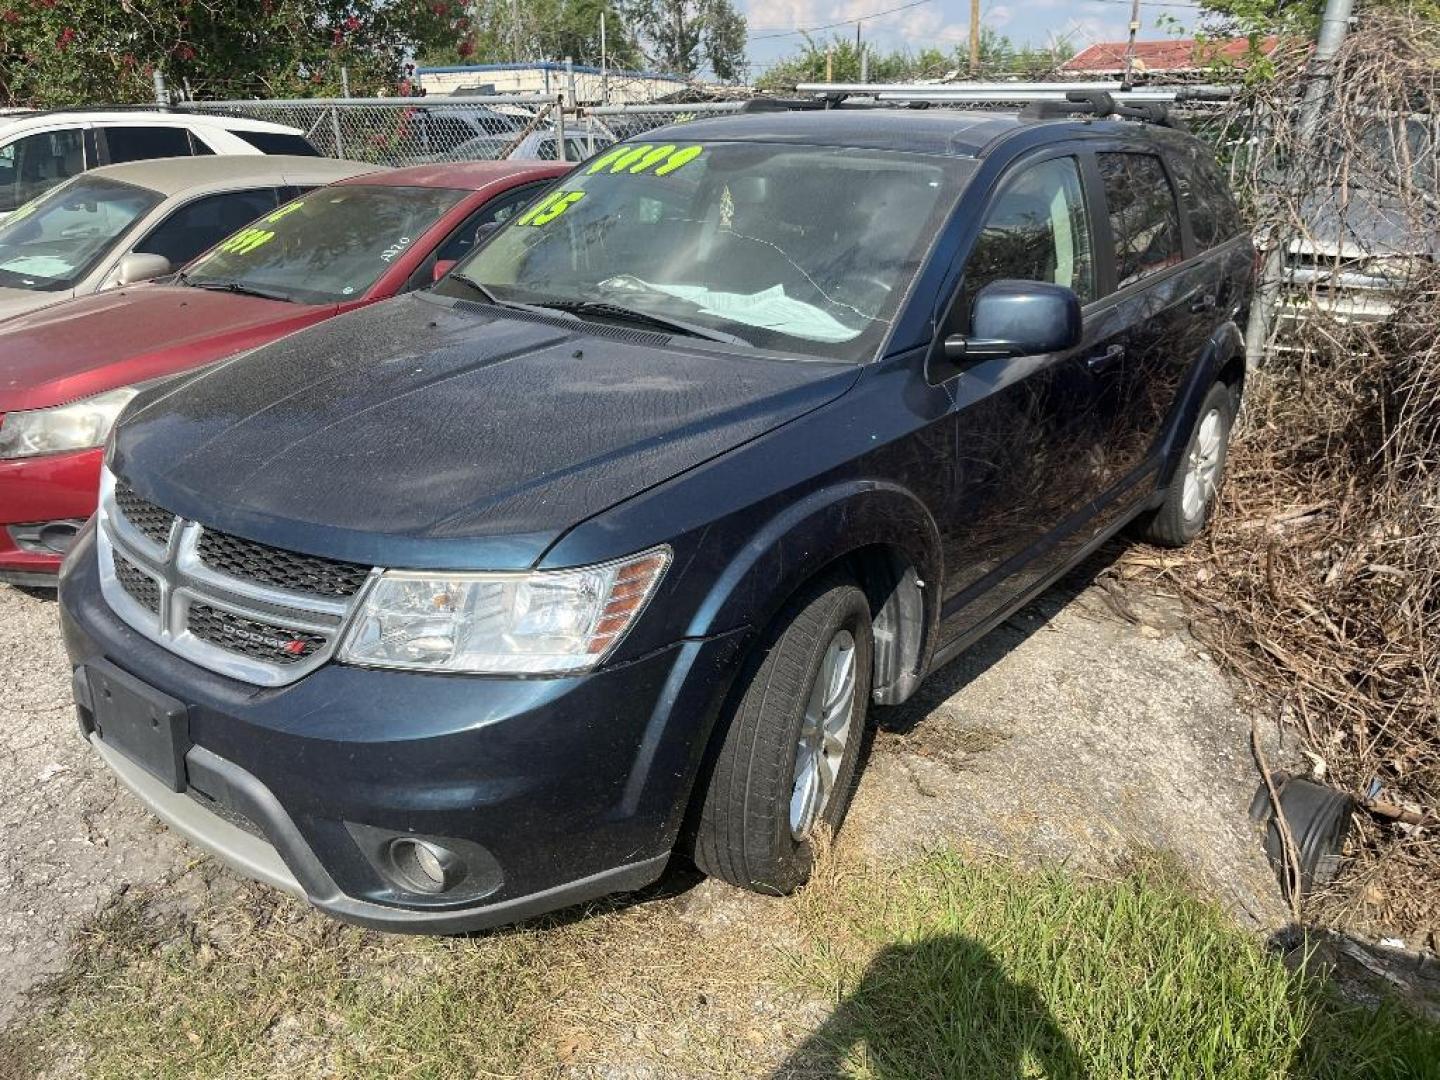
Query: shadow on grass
[[940, 1007]]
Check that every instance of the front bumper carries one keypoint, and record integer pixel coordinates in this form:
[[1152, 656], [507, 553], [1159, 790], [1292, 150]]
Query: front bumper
[[55, 487], [567, 788]]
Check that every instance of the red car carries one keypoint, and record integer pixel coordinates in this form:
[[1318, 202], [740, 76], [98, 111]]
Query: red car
[[67, 371]]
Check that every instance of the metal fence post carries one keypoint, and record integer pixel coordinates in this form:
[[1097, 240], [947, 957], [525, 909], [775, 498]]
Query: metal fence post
[[560, 154], [162, 95], [335, 129]]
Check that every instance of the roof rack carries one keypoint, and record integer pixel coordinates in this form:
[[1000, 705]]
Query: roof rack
[[1100, 103]]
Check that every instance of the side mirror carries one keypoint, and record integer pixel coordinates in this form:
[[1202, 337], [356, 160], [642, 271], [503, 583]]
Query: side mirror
[[442, 267], [139, 266], [1018, 318]]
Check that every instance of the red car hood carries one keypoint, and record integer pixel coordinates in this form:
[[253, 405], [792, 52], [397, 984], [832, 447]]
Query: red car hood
[[96, 343]]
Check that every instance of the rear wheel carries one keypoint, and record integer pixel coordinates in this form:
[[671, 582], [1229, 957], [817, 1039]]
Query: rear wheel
[[1196, 484], [787, 765]]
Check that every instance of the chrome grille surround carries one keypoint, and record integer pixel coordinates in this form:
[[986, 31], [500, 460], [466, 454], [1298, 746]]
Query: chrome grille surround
[[184, 581]]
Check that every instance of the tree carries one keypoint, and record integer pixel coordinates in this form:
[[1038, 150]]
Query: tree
[[681, 36], [72, 52], [502, 31], [997, 56]]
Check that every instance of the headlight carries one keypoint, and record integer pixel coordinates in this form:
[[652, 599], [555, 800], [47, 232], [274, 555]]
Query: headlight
[[538, 623], [76, 426]]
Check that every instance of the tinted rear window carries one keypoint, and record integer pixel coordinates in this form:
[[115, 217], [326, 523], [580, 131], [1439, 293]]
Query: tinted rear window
[[277, 142], [143, 143]]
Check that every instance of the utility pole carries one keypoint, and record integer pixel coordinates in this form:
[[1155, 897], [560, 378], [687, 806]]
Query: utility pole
[[859, 51], [1130, 44], [1334, 25], [829, 63], [974, 38], [604, 66], [514, 31]]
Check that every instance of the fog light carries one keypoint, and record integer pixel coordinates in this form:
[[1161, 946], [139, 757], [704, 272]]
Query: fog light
[[46, 537], [424, 866]]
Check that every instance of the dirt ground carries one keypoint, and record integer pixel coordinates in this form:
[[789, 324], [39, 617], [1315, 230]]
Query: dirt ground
[[1082, 730]]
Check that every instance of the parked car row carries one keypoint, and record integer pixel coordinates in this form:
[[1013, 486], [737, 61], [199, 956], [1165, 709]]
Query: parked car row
[[449, 608]]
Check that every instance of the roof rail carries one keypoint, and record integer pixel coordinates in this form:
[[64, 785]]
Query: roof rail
[[1016, 92]]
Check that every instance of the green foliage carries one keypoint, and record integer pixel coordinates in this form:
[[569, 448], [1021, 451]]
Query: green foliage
[[71, 52], [682, 36], [541, 30], [998, 55], [953, 967]]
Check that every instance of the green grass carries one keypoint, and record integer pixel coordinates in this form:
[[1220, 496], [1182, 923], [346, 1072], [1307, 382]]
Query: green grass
[[938, 968], [946, 969]]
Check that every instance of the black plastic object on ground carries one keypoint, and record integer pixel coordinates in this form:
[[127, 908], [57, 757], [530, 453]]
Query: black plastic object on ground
[[1319, 819]]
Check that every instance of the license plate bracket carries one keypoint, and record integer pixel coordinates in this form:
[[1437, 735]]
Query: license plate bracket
[[150, 728]]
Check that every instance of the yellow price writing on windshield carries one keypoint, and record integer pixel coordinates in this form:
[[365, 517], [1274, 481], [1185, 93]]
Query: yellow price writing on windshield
[[246, 240], [284, 211], [663, 160], [550, 207]]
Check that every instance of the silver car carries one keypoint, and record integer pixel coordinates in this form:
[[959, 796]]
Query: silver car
[[127, 223]]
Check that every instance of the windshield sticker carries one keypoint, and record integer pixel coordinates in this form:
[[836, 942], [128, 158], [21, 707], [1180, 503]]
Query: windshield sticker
[[665, 159], [389, 254], [245, 241], [550, 207], [284, 210]]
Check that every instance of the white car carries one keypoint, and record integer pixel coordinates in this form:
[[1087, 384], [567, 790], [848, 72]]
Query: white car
[[40, 149]]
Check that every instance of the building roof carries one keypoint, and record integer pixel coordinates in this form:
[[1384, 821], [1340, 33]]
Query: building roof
[[1159, 57]]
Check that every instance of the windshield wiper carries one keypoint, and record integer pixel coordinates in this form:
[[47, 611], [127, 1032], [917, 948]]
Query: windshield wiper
[[620, 312], [490, 298], [238, 287]]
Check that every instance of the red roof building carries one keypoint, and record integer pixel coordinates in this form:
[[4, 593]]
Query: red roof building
[[1181, 56]]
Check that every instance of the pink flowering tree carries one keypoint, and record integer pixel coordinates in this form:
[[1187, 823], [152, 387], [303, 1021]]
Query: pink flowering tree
[[71, 52]]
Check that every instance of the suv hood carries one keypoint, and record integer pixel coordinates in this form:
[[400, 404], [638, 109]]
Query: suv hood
[[427, 432], [126, 336]]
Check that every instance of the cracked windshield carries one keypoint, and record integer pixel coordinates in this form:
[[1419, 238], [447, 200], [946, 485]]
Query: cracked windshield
[[793, 248]]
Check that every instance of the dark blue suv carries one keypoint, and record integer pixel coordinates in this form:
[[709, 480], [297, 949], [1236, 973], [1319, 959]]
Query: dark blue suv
[[488, 599]]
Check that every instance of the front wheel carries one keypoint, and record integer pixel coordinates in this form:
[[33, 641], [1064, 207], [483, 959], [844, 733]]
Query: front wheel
[[787, 764], [1196, 483]]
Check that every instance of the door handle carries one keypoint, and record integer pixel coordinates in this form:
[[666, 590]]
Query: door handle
[[1202, 303], [1102, 360]]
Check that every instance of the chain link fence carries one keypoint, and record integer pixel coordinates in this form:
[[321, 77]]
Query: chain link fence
[[416, 131]]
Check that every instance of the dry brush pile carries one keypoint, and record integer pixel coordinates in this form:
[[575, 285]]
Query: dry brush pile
[[1323, 568]]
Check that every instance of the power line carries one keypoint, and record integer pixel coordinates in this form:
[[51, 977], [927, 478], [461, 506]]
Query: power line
[[843, 22]]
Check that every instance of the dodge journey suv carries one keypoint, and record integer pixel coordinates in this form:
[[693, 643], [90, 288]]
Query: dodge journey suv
[[487, 599]]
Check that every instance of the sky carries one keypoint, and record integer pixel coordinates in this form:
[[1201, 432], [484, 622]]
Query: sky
[[944, 23]]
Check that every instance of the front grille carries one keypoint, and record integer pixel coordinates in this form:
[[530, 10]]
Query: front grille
[[143, 589], [253, 561], [248, 637], [144, 517]]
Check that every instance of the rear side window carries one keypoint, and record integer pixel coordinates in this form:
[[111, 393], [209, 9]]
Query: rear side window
[[1037, 230], [142, 143], [277, 142], [200, 225], [1206, 196], [1144, 218], [32, 165]]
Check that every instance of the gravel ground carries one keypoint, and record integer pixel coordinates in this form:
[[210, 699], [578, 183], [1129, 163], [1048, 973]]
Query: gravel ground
[[72, 837], [1072, 734]]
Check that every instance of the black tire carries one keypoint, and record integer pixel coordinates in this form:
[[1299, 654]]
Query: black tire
[[744, 833], [1171, 525]]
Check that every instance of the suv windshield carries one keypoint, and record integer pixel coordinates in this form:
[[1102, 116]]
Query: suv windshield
[[803, 249], [52, 242], [330, 245]]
